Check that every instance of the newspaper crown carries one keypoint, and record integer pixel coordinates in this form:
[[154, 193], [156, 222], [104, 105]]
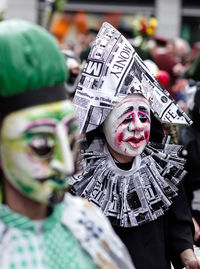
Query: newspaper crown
[[114, 70]]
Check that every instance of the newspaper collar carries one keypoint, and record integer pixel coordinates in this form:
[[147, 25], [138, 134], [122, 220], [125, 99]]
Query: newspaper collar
[[114, 70], [134, 197]]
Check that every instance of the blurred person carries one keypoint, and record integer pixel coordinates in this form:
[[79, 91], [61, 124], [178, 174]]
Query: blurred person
[[181, 50], [86, 39], [192, 71], [194, 51], [170, 47], [74, 66], [180, 93], [129, 169], [190, 138], [164, 60], [40, 225], [184, 70]]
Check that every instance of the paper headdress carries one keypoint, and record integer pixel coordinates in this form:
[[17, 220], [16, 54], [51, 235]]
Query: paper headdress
[[114, 70]]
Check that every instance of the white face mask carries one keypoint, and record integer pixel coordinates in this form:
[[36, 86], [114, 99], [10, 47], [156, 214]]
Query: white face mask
[[127, 127]]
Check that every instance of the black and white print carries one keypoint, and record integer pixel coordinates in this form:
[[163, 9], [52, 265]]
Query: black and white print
[[134, 197], [112, 71]]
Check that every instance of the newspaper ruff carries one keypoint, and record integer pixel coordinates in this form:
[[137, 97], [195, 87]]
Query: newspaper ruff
[[130, 197], [114, 70]]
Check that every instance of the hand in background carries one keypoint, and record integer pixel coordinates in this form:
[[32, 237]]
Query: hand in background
[[197, 230], [189, 259]]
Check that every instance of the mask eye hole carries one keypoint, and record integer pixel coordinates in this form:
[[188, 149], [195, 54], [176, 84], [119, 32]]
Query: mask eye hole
[[143, 118], [42, 145], [128, 119]]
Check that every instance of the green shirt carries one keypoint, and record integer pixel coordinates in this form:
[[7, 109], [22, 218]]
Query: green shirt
[[53, 246], [75, 236]]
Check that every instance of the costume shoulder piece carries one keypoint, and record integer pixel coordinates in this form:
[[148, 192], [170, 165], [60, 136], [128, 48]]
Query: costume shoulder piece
[[95, 234], [134, 197]]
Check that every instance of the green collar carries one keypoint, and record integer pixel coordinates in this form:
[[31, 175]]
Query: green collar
[[15, 220]]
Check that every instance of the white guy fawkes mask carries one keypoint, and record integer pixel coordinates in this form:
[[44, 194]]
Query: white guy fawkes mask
[[39, 150]]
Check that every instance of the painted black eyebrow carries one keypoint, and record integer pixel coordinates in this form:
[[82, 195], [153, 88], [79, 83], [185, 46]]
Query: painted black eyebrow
[[129, 109], [144, 109]]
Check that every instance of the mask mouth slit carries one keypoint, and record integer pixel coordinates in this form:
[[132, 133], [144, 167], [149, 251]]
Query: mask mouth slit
[[135, 140]]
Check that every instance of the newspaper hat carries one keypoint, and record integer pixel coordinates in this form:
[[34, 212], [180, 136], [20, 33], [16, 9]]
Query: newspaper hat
[[33, 69], [114, 70]]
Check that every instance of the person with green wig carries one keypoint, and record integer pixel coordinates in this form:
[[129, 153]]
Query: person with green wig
[[42, 226]]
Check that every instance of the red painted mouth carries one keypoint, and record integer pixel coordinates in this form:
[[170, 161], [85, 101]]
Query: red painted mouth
[[134, 141]]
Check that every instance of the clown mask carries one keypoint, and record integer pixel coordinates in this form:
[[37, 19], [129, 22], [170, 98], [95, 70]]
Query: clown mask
[[39, 150], [127, 127]]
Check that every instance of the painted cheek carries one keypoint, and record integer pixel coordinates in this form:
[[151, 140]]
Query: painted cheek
[[118, 138], [147, 134]]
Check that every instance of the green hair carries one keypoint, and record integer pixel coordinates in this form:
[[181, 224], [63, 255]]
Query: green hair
[[30, 58]]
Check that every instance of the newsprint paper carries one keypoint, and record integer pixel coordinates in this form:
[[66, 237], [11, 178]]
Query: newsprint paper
[[114, 70]]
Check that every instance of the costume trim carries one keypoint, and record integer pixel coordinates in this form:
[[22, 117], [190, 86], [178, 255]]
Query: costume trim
[[134, 197], [33, 97]]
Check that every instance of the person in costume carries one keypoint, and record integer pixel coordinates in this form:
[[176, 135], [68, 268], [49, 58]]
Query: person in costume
[[129, 169], [40, 226], [189, 137]]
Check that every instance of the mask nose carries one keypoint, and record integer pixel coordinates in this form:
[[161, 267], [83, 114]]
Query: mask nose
[[135, 125], [64, 163]]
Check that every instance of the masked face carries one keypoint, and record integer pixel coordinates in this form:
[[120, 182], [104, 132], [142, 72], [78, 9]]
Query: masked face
[[127, 127], [39, 150]]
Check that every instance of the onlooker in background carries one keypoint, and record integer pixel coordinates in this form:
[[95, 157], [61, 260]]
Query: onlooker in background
[[164, 60], [74, 66], [86, 40], [188, 69], [190, 138], [181, 50], [193, 71]]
